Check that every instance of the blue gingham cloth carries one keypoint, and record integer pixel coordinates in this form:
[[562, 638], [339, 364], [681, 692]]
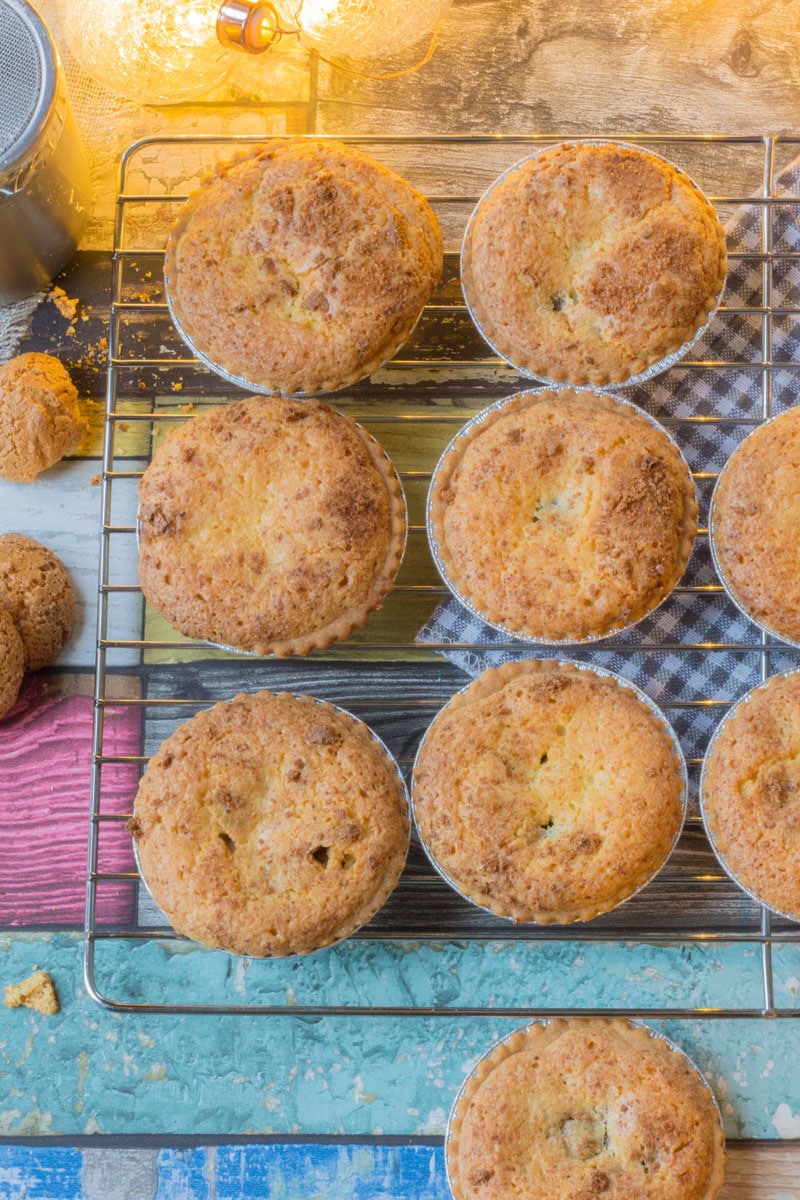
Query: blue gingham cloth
[[723, 391]]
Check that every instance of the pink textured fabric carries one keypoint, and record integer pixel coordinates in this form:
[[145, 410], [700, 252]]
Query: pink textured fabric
[[45, 771]]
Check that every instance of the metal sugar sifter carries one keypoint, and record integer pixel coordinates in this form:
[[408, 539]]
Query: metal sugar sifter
[[44, 179]]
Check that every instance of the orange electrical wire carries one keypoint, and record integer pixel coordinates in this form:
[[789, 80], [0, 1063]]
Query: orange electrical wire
[[341, 66]]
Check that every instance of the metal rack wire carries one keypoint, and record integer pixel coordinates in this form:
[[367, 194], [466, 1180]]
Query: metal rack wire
[[414, 405]]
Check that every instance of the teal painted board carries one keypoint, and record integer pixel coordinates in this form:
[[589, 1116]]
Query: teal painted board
[[89, 1071], [490, 974]]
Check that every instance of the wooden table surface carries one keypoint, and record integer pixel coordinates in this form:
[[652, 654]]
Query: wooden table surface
[[576, 67]]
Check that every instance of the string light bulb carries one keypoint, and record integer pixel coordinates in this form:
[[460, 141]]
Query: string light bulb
[[171, 51], [149, 51], [338, 31]]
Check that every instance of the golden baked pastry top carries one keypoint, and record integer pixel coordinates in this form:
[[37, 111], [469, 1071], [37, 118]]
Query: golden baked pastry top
[[751, 793], [270, 825], [548, 793], [270, 525], [564, 515], [302, 266], [754, 522], [588, 1109], [589, 264]]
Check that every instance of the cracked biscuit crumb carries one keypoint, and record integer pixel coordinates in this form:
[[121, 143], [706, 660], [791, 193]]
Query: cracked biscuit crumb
[[37, 992]]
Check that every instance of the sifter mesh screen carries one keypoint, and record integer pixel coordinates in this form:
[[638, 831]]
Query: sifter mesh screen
[[21, 73]]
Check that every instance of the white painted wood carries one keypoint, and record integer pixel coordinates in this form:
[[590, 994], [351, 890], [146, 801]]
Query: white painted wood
[[61, 509]]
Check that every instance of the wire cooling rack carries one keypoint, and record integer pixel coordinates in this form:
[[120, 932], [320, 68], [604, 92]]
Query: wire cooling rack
[[153, 679]]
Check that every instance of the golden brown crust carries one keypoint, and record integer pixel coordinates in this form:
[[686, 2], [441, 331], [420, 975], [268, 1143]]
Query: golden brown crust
[[12, 662], [547, 793], [589, 264], [40, 419], [563, 515], [36, 590], [751, 794], [271, 525], [302, 266], [270, 825], [585, 1109], [754, 521]]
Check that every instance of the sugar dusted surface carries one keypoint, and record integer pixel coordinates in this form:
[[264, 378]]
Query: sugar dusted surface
[[755, 519], [270, 525]]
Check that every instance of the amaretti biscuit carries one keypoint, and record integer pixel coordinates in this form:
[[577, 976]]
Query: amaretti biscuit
[[12, 662], [36, 591], [269, 525], [271, 825], [40, 419], [301, 266]]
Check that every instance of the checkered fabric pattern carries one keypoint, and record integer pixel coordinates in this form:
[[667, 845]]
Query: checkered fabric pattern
[[647, 654]]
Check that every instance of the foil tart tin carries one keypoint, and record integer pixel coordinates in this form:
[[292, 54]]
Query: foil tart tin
[[712, 541], [656, 368], [677, 750], [436, 551], [337, 941], [237, 380], [721, 859], [654, 1033], [253, 653]]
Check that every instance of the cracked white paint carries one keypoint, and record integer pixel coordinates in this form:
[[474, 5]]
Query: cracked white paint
[[785, 1121]]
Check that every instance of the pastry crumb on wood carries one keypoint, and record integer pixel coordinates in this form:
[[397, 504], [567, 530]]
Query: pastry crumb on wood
[[66, 305], [37, 992]]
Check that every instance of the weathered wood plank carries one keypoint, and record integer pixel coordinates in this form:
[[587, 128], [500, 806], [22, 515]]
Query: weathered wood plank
[[762, 1171], [587, 66]]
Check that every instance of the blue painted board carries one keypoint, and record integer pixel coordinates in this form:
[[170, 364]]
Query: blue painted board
[[240, 1172]]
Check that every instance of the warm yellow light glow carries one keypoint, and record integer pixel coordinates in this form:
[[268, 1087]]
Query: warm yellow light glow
[[150, 51], [316, 14], [361, 29]]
